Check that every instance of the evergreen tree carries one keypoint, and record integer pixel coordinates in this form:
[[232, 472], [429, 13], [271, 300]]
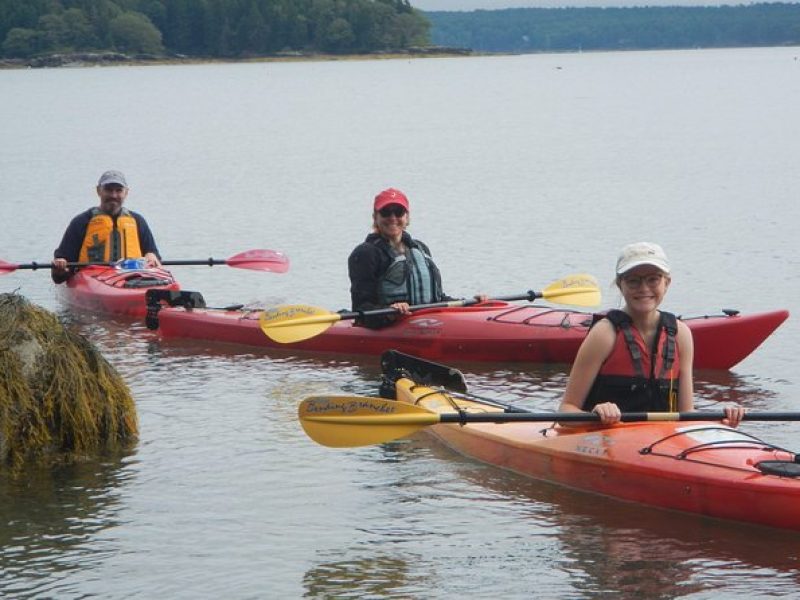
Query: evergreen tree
[[134, 32]]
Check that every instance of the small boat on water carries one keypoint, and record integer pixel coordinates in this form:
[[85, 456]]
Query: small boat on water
[[120, 288], [114, 289], [494, 331], [657, 459]]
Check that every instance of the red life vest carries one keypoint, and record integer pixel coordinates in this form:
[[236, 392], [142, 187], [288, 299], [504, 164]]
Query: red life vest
[[637, 378]]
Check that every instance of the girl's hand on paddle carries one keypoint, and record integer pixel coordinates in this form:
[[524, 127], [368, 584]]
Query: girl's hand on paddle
[[733, 416], [608, 412], [401, 307], [481, 298]]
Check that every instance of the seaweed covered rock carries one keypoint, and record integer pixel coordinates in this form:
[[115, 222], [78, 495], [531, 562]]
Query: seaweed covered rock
[[58, 396]]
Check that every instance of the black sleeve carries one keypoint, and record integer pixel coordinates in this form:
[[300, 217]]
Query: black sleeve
[[146, 240], [365, 269], [70, 246]]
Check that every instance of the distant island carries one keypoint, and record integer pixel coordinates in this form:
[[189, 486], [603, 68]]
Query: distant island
[[104, 30], [635, 28], [41, 33]]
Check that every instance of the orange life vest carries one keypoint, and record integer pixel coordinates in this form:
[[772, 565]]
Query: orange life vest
[[109, 239]]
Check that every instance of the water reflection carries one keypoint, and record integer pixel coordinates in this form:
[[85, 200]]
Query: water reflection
[[724, 386], [635, 550], [367, 577], [50, 519], [134, 350]]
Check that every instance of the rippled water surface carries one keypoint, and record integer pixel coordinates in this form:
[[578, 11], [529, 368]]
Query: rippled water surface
[[520, 170]]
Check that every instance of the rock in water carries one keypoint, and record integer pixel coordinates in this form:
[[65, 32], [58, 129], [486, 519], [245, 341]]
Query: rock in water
[[59, 398]]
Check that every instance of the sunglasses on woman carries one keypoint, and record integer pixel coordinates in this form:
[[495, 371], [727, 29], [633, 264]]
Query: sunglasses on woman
[[388, 211]]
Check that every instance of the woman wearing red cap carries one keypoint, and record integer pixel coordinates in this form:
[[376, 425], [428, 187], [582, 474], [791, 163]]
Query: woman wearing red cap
[[638, 359], [390, 268]]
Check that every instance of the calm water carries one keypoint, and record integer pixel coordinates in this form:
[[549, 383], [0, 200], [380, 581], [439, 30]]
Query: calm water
[[520, 170]]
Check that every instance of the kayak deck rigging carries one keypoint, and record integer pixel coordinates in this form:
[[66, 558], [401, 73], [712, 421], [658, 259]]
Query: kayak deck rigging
[[742, 441], [541, 314], [134, 279]]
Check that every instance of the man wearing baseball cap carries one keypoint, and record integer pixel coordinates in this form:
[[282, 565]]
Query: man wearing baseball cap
[[107, 232]]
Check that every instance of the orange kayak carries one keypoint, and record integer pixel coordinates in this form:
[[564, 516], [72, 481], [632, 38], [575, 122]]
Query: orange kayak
[[702, 467]]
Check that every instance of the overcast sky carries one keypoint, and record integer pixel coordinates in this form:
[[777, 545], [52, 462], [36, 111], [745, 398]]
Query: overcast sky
[[495, 4]]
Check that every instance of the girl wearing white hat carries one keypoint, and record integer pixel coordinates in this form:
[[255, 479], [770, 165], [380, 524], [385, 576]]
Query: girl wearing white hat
[[638, 359]]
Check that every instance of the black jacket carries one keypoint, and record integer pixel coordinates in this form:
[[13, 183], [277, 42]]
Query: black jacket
[[367, 263]]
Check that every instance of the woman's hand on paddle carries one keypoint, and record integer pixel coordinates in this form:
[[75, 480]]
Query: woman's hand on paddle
[[608, 412], [401, 307], [481, 298], [733, 415]]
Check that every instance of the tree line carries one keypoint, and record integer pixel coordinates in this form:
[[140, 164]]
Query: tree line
[[571, 29], [243, 28], [208, 28]]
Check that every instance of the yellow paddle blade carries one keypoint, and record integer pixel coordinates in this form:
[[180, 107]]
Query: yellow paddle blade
[[350, 421], [579, 290], [289, 323]]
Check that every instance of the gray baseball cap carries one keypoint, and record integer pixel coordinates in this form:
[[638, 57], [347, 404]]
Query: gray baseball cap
[[112, 178]]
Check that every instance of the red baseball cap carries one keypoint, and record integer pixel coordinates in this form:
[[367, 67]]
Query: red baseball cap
[[390, 196]]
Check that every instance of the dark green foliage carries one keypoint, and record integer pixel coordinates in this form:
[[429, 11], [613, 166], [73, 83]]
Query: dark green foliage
[[134, 32], [214, 28], [21, 42], [570, 29]]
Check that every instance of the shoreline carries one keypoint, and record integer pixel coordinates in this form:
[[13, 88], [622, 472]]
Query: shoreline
[[113, 59], [116, 59]]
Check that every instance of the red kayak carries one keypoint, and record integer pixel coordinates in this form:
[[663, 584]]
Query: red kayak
[[115, 290], [493, 331]]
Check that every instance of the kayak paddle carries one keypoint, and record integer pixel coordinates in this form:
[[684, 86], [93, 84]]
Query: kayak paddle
[[293, 323], [255, 260], [351, 421]]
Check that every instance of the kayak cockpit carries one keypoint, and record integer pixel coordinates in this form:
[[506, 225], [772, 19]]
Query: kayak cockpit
[[138, 278]]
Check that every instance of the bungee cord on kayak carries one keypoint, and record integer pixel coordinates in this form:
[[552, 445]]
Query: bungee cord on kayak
[[726, 439]]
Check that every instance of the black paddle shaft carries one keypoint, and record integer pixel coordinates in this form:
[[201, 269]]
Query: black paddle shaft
[[464, 417], [530, 296]]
